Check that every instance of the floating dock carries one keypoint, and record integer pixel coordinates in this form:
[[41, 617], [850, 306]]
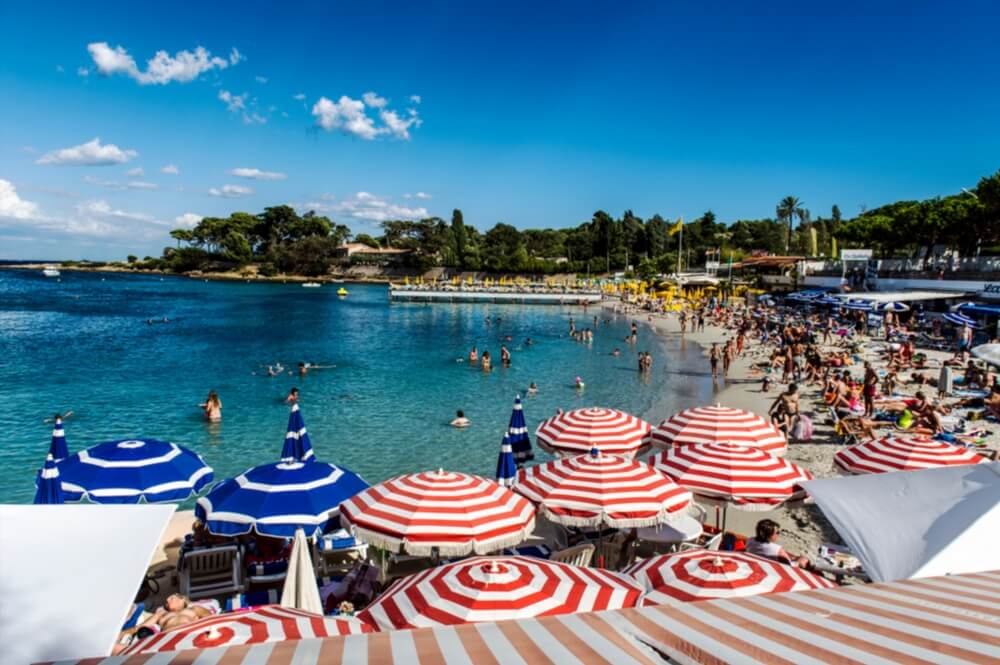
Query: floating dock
[[486, 295]]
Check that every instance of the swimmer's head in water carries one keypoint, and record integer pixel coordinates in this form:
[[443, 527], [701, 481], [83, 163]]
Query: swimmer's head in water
[[460, 414]]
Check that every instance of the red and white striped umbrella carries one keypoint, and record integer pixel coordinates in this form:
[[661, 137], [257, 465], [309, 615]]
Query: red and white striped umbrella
[[598, 489], [705, 574], [497, 589], [712, 424], [576, 432], [903, 454], [748, 478], [454, 513], [268, 623]]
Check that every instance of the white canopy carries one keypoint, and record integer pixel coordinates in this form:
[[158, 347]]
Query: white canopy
[[910, 524], [901, 296], [68, 574]]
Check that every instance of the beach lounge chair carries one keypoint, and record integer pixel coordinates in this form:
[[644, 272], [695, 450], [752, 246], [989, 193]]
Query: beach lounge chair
[[213, 571], [578, 555], [706, 542], [336, 553]]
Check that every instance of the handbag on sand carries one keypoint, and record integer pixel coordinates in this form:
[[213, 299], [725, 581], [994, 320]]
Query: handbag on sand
[[803, 428]]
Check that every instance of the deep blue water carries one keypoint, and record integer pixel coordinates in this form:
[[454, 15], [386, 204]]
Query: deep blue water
[[82, 343]]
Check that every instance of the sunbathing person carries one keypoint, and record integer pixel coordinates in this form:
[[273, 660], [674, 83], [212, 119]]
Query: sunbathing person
[[177, 610], [927, 414], [765, 544]]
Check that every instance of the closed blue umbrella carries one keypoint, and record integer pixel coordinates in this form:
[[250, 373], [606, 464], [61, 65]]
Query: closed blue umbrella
[[48, 489], [517, 433], [297, 446], [134, 470], [959, 319], [276, 499], [58, 449], [506, 468]]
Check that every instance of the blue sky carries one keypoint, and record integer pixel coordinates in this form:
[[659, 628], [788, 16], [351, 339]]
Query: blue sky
[[527, 115]]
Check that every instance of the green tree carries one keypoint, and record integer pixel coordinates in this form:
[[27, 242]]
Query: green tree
[[459, 238], [365, 239], [787, 210]]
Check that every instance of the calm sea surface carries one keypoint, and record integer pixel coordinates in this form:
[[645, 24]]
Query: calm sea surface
[[82, 343]]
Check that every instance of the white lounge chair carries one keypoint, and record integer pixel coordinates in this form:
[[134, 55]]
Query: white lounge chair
[[580, 555], [212, 571]]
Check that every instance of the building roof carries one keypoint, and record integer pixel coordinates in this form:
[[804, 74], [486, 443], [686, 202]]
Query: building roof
[[933, 620], [768, 261], [903, 296]]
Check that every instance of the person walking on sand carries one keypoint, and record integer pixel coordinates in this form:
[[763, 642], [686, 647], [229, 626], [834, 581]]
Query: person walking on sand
[[869, 389], [212, 407], [713, 359]]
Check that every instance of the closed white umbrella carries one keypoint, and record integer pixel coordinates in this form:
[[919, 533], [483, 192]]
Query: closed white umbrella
[[301, 591], [988, 352]]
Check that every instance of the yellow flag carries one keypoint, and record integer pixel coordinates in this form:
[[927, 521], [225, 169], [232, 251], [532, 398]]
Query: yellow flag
[[676, 228]]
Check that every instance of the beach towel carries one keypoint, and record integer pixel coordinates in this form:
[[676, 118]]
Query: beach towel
[[803, 429]]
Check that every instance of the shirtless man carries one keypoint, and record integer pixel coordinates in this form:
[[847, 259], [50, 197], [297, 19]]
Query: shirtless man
[[785, 409]]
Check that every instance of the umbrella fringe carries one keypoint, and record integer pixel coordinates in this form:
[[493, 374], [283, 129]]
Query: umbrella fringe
[[479, 547], [663, 517]]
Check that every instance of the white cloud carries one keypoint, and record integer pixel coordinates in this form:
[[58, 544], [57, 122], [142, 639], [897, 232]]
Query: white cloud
[[238, 104], [121, 186], [135, 173], [92, 153], [365, 206], [345, 114], [114, 184], [188, 220], [170, 169], [82, 71], [423, 195], [102, 209], [13, 206], [230, 191], [415, 99], [373, 100], [350, 116], [162, 68], [261, 79], [257, 174], [299, 97], [235, 57], [233, 102]]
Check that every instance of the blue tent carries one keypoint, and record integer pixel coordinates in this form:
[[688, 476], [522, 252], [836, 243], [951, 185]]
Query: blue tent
[[517, 433], [298, 447], [134, 470], [58, 448], [506, 468], [276, 499], [49, 489]]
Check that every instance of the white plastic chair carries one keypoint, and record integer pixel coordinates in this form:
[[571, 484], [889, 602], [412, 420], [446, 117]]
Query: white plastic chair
[[580, 555], [213, 571]]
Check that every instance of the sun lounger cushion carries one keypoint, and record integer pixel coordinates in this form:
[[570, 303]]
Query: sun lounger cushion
[[268, 568], [536, 551], [338, 540]]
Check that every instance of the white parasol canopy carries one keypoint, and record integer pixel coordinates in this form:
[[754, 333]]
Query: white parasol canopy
[[301, 592]]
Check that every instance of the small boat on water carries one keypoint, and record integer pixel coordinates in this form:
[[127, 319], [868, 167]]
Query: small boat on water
[[50, 271], [311, 285], [342, 292]]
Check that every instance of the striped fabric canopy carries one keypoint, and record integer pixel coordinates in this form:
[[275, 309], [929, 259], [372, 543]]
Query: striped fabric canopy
[[134, 470], [498, 589], [276, 499], [705, 574], [749, 478], [454, 513], [506, 467], [517, 432], [903, 454], [58, 448], [893, 307], [298, 447], [48, 488], [959, 319], [576, 432], [715, 424], [599, 489], [267, 623]]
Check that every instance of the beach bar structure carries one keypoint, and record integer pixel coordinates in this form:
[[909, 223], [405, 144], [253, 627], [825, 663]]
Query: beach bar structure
[[949, 619], [493, 295]]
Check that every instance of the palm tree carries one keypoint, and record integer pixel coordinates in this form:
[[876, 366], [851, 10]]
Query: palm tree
[[788, 209]]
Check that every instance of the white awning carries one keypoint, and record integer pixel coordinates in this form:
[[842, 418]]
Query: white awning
[[910, 524], [68, 574], [904, 296]]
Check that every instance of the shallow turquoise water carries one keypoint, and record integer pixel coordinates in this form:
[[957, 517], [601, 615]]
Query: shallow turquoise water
[[82, 343]]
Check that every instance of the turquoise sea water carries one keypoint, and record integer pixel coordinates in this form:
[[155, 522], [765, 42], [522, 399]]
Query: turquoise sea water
[[83, 343]]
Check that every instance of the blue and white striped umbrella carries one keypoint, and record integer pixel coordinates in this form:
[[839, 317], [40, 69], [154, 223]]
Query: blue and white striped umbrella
[[960, 306], [959, 319], [893, 307], [297, 446], [506, 468], [517, 433], [860, 305], [58, 448], [276, 499], [48, 489], [134, 470], [830, 300]]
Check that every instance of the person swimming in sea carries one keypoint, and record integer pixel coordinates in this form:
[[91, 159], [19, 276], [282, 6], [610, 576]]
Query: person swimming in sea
[[460, 420], [486, 364], [580, 385], [473, 356], [504, 356], [617, 352], [303, 369], [212, 407], [293, 396], [532, 389]]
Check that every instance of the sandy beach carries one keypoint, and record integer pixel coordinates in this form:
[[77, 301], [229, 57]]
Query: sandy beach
[[804, 528]]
